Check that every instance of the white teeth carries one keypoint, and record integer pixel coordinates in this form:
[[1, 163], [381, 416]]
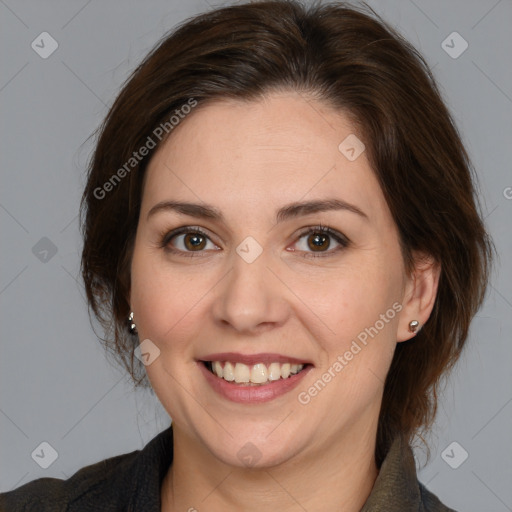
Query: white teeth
[[217, 368], [256, 374], [259, 373], [274, 371], [228, 372], [285, 370], [242, 373]]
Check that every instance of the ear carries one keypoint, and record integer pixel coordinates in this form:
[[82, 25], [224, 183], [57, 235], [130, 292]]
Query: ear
[[420, 293]]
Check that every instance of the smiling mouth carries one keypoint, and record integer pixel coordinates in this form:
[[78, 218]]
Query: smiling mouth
[[253, 375]]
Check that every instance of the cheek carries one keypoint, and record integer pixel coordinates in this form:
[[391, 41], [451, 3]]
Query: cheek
[[358, 307], [162, 298], [351, 296], [361, 316]]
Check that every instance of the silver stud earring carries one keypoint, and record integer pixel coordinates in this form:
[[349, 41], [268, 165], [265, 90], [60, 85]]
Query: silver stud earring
[[413, 325], [131, 324]]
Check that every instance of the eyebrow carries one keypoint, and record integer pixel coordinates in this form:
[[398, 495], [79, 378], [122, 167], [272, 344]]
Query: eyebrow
[[287, 212]]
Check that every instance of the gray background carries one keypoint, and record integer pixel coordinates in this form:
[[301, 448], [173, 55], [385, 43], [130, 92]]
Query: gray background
[[56, 385]]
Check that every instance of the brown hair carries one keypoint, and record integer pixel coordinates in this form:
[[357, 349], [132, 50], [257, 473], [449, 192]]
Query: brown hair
[[352, 60]]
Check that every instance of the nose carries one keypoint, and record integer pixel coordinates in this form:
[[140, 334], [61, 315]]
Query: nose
[[251, 298]]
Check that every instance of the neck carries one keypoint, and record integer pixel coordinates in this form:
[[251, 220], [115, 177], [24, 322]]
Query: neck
[[337, 475]]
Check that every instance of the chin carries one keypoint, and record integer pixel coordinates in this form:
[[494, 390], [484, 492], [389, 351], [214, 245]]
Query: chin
[[250, 451]]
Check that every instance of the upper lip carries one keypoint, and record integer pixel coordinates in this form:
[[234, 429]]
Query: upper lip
[[252, 359]]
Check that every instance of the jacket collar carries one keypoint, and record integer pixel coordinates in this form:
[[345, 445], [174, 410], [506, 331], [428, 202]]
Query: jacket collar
[[396, 486]]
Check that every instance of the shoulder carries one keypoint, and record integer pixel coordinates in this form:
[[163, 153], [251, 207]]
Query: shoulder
[[53, 494], [431, 502], [130, 481]]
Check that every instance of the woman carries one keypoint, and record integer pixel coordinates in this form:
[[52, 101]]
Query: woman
[[280, 224]]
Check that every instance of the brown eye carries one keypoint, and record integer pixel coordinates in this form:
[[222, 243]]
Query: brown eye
[[186, 241], [318, 241], [194, 241]]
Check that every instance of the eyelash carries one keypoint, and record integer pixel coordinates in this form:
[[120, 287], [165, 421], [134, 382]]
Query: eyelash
[[338, 237]]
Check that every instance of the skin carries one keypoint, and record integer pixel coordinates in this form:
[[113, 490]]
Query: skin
[[248, 160]]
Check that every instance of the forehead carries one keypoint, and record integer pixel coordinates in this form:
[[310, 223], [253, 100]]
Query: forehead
[[261, 154]]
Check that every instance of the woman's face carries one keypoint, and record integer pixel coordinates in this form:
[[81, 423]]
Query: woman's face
[[262, 283]]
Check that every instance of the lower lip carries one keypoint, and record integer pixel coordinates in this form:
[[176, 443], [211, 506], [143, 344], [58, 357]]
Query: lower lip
[[252, 394]]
